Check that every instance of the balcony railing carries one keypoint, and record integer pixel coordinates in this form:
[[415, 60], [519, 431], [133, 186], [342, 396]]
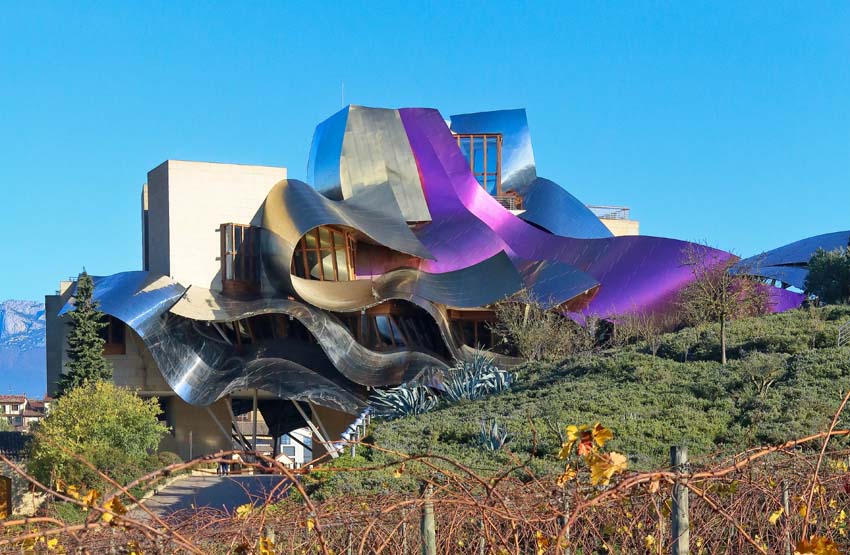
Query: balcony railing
[[510, 201], [610, 212]]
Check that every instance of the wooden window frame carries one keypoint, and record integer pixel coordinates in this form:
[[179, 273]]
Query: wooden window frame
[[112, 346], [349, 247], [240, 267], [470, 139]]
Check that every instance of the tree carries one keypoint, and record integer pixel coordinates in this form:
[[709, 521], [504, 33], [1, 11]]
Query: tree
[[720, 292], [829, 276], [112, 428], [641, 326], [85, 345], [539, 332], [4, 425]]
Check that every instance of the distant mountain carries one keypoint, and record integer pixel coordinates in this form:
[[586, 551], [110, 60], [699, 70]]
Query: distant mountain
[[22, 358]]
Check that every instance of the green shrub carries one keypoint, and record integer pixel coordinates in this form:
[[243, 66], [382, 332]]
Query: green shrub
[[110, 427], [829, 275], [784, 380]]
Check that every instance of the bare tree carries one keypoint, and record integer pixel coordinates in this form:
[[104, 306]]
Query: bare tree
[[641, 326], [720, 291], [540, 332]]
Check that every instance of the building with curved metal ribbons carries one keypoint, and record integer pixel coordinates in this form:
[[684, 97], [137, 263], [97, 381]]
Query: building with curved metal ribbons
[[296, 297]]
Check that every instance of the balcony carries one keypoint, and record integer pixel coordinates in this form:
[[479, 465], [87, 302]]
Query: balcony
[[611, 212], [510, 200]]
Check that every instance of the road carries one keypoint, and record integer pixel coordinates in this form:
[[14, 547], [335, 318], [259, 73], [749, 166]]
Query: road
[[217, 492]]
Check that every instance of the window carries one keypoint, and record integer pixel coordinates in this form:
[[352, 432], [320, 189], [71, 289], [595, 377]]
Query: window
[[114, 336], [474, 329], [395, 325], [285, 440], [325, 253], [484, 153], [289, 451], [240, 268]]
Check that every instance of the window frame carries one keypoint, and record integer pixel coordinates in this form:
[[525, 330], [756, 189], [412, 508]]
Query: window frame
[[240, 265], [300, 253], [471, 138]]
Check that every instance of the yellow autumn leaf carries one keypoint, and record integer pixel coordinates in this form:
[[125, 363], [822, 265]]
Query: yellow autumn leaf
[[134, 548], [604, 467], [601, 434], [52, 544], [244, 510], [310, 524], [573, 432], [266, 546], [816, 545], [73, 491], [649, 541], [90, 498], [569, 474], [542, 541], [399, 471], [774, 516], [115, 506]]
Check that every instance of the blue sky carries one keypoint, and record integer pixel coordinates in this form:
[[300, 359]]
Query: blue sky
[[726, 122]]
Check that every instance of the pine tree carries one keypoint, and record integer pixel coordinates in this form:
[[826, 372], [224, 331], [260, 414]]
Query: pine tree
[[85, 345]]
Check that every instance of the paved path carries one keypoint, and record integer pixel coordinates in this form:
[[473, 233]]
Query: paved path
[[212, 491]]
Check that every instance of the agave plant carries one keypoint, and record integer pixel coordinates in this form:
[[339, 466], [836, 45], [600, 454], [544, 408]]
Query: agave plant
[[405, 400], [476, 378], [493, 436]]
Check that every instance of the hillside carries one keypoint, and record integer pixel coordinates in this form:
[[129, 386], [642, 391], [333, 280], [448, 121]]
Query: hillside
[[784, 380], [22, 362]]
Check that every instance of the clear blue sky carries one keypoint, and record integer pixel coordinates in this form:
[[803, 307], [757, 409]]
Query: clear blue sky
[[728, 122]]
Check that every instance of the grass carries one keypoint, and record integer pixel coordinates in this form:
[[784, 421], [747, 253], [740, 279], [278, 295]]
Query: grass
[[784, 379]]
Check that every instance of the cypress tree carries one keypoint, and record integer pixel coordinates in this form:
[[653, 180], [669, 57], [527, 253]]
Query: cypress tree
[[85, 345]]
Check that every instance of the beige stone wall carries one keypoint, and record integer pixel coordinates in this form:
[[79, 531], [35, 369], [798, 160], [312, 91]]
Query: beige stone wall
[[188, 421], [622, 227], [188, 201], [158, 220], [56, 333], [334, 423], [136, 368]]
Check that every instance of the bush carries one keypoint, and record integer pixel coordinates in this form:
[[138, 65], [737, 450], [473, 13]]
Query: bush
[[829, 276], [112, 428], [783, 380]]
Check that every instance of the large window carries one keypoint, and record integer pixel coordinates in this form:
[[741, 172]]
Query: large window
[[240, 268], [475, 329], [325, 253], [239, 253], [484, 153], [395, 325], [114, 336]]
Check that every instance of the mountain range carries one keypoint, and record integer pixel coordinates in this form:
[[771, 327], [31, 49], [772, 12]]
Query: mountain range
[[22, 357]]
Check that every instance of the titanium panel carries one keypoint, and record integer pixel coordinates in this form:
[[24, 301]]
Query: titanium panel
[[789, 263], [375, 151], [325, 151], [352, 360], [638, 273], [200, 366], [550, 206], [799, 252]]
